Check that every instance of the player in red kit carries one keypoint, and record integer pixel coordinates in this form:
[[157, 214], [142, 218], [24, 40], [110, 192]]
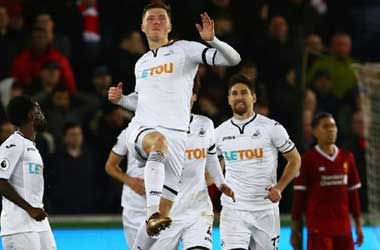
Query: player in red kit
[[326, 192]]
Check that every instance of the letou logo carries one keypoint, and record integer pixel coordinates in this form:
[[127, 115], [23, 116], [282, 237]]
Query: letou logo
[[166, 68], [197, 153], [244, 154]]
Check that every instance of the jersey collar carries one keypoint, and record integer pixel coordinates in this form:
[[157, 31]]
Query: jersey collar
[[241, 129], [328, 157]]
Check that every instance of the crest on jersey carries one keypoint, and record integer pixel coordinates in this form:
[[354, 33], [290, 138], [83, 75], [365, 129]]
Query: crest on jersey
[[4, 164], [345, 167], [202, 132], [322, 168], [256, 135]]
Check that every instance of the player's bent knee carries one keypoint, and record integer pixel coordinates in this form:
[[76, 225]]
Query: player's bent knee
[[155, 141]]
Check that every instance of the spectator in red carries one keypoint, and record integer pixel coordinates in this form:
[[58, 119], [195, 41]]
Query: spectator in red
[[28, 64], [327, 192]]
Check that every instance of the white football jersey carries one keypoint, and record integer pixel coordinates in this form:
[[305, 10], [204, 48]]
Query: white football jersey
[[129, 198], [21, 164], [164, 83], [193, 198], [250, 151]]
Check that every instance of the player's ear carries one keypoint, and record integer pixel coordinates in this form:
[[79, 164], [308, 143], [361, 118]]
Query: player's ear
[[254, 97], [142, 27]]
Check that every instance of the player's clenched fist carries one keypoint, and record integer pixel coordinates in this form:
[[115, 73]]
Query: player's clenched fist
[[115, 93], [37, 213], [274, 194]]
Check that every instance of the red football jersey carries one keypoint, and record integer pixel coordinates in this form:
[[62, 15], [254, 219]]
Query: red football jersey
[[326, 181]]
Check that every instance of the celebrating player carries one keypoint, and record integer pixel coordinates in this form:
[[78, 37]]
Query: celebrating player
[[164, 81], [24, 224], [248, 145]]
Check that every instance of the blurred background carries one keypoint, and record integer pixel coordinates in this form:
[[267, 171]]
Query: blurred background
[[68, 53]]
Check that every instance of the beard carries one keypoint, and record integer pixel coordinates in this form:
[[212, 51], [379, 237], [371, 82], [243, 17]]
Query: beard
[[240, 108]]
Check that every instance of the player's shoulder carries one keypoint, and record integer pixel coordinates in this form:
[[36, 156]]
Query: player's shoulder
[[226, 125], [266, 121], [15, 140], [345, 153], [204, 120], [187, 45]]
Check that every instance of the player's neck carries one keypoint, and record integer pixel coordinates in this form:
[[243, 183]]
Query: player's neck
[[28, 132], [244, 116], [157, 44], [328, 149]]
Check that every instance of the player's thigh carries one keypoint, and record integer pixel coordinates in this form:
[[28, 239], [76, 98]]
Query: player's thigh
[[235, 232], [343, 243], [199, 234], [21, 241], [319, 242], [266, 229], [47, 240], [170, 237], [132, 220]]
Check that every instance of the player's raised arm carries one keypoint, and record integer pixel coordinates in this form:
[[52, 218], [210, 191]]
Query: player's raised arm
[[223, 54]]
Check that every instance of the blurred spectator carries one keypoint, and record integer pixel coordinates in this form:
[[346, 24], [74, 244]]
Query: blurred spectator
[[6, 129], [58, 41], [310, 101], [27, 65], [70, 175], [111, 121], [10, 45], [301, 16], [357, 144], [326, 100], [60, 108], [262, 108], [48, 78], [10, 88], [314, 48], [91, 30], [249, 69], [308, 139], [338, 63], [277, 53], [123, 59], [288, 115]]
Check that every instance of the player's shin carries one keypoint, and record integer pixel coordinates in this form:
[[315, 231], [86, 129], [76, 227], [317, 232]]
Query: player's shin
[[154, 175]]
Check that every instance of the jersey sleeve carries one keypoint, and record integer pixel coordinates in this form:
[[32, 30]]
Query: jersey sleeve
[[353, 176], [300, 186], [10, 154], [280, 138], [212, 144], [301, 182], [198, 53], [219, 151], [120, 148]]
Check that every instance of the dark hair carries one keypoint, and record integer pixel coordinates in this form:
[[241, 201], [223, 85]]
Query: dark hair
[[318, 117], [19, 108], [69, 125], [37, 29], [240, 78], [159, 6], [60, 88]]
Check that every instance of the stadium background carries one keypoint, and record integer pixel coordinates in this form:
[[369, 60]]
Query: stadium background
[[86, 46]]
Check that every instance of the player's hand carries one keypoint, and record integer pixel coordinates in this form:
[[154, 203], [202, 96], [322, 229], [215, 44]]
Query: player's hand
[[274, 194], [225, 189], [295, 239], [206, 30], [137, 185], [359, 236], [115, 93], [37, 213]]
